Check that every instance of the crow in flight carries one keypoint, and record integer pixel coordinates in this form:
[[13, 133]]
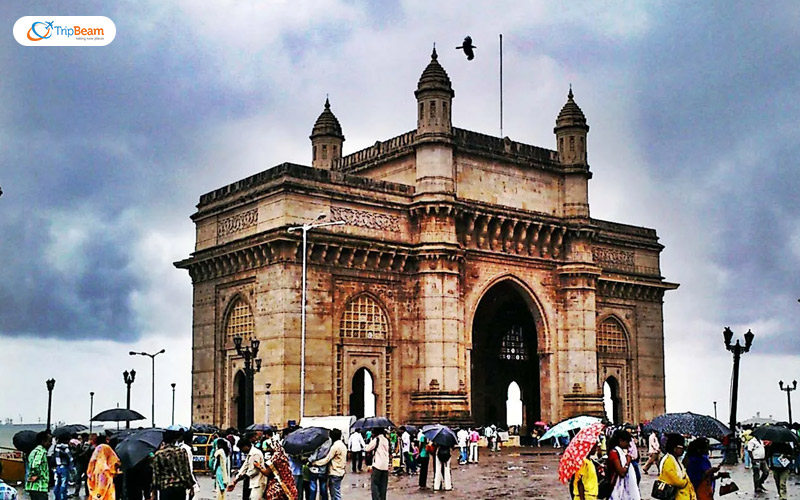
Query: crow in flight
[[467, 47]]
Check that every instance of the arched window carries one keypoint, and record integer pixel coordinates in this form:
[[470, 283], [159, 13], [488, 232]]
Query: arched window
[[364, 319], [611, 337], [240, 320], [512, 347]]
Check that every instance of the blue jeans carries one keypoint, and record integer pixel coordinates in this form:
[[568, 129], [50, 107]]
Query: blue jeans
[[463, 451], [62, 481], [747, 463], [336, 487], [319, 481]]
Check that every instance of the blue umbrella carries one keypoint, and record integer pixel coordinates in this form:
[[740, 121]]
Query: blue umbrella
[[692, 424], [571, 424], [440, 434]]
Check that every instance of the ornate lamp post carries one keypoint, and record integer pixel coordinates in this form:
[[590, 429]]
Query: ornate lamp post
[[305, 228], [91, 410], [173, 402], [249, 354], [51, 383], [153, 400], [788, 389], [731, 453], [128, 377]]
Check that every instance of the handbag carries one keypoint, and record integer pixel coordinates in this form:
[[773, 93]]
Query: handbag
[[727, 486], [663, 491]]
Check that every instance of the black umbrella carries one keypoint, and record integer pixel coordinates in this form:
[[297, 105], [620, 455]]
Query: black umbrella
[[206, 429], [260, 427], [24, 441], [69, 430], [776, 434], [371, 423], [439, 434], [137, 446], [412, 429], [305, 440], [117, 415], [689, 423]]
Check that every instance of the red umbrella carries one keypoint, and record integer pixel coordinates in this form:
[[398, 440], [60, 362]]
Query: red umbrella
[[578, 449]]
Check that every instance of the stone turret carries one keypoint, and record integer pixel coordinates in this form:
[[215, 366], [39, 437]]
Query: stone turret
[[571, 130], [326, 139], [434, 100]]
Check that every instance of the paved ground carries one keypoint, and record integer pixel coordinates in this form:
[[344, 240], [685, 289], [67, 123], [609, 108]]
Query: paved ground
[[511, 474]]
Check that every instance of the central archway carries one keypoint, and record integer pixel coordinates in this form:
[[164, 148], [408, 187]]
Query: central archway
[[504, 350], [362, 397]]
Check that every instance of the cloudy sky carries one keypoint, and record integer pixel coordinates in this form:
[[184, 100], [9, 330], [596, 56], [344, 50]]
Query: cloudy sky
[[104, 151]]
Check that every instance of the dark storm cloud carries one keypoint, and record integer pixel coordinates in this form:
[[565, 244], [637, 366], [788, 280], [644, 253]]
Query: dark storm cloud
[[718, 122]]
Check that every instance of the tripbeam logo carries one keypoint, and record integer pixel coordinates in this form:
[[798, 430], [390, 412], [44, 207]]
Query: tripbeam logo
[[64, 31]]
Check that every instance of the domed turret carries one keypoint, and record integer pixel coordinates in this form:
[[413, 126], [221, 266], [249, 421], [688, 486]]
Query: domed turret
[[571, 130], [326, 139], [434, 99]]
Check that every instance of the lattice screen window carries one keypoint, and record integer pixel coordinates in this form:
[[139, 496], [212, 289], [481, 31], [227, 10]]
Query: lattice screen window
[[364, 319], [513, 345], [240, 321], [611, 337]]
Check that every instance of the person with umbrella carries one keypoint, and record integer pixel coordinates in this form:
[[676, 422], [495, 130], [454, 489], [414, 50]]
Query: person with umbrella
[[758, 459], [82, 454], [441, 475], [63, 457], [356, 445], [781, 460], [379, 481], [172, 476], [336, 460], [576, 465], [37, 482], [103, 467], [278, 471]]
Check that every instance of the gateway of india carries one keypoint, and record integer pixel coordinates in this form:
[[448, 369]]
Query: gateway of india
[[468, 276]]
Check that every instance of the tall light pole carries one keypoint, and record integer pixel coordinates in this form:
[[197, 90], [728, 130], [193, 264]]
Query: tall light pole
[[715, 409], [266, 420], [51, 383], [731, 452], [788, 389], [249, 353], [153, 400], [173, 402], [305, 228], [128, 377], [91, 410]]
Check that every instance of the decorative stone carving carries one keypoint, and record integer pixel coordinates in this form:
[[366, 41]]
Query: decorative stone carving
[[613, 257], [236, 223], [369, 220]]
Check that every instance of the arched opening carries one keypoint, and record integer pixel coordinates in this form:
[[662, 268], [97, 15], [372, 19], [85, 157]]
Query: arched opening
[[362, 395], [240, 390], [611, 400], [514, 405], [504, 350]]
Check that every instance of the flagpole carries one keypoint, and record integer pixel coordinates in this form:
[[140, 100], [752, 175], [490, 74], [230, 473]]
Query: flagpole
[[501, 85]]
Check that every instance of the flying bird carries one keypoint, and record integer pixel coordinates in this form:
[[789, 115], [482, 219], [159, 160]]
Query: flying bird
[[467, 47]]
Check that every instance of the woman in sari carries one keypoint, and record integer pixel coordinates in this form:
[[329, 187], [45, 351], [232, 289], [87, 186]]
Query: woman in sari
[[699, 469], [622, 474], [103, 466], [220, 467], [280, 482]]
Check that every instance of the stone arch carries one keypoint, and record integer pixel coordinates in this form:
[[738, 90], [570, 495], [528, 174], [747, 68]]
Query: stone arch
[[230, 309], [612, 397], [614, 319], [530, 296], [379, 305]]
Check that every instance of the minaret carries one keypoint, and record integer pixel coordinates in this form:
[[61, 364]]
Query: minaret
[[434, 99], [571, 130], [326, 139]]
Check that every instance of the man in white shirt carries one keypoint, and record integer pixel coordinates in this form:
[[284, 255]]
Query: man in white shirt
[[257, 480], [462, 436], [336, 460], [186, 445], [356, 446], [760, 470], [654, 450], [380, 464], [405, 449]]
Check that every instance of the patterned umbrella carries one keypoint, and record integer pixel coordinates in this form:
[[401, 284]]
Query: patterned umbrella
[[689, 423], [578, 449], [562, 428]]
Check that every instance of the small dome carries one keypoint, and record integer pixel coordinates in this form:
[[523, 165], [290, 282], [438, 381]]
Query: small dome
[[571, 114], [327, 124], [434, 77]]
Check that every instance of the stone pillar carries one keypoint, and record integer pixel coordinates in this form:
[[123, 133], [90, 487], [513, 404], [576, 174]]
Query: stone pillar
[[577, 346]]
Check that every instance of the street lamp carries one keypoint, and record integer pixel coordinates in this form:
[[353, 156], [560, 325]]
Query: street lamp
[[266, 420], [128, 377], [51, 383], [249, 354], [173, 403], [731, 453], [715, 409], [153, 358], [788, 389], [305, 228], [91, 410]]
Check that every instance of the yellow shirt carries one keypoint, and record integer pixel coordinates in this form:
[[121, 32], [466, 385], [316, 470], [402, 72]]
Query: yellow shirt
[[587, 474], [673, 473]]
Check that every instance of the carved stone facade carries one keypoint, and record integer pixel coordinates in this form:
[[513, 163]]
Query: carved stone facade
[[466, 263]]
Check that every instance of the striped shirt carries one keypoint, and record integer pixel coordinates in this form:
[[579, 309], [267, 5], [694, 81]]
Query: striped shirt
[[37, 467]]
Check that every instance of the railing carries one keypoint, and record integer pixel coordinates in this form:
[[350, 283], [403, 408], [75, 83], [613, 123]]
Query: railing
[[377, 150]]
